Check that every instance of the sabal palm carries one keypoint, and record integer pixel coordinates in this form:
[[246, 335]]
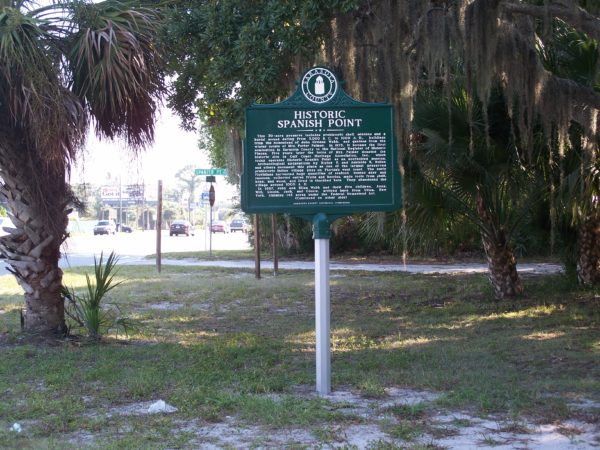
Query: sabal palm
[[574, 55], [473, 168], [63, 67]]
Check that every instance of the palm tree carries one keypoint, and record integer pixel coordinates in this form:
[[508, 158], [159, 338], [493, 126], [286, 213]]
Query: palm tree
[[574, 55], [63, 67], [470, 166]]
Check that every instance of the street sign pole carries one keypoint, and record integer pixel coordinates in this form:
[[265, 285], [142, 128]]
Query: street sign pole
[[159, 228], [206, 227], [211, 200], [322, 233]]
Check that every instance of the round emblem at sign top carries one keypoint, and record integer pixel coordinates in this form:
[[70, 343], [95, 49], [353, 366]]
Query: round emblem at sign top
[[319, 85]]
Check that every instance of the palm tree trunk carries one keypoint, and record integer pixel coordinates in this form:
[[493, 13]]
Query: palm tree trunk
[[588, 262], [37, 206], [502, 266]]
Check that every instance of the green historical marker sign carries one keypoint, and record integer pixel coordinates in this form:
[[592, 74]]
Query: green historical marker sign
[[320, 151], [210, 172]]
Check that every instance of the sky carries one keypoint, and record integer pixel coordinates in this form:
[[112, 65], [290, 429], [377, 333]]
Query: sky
[[172, 150]]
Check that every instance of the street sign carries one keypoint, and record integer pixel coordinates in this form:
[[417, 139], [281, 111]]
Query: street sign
[[210, 172], [204, 196], [211, 196], [320, 151]]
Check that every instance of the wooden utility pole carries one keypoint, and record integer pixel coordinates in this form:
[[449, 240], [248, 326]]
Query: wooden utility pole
[[159, 227], [256, 247]]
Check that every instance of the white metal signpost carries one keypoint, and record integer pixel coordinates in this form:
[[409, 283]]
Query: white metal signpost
[[320, 155]]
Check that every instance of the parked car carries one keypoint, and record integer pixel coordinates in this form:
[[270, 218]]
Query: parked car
[[220, 226], [5, 222], [238, 225], [105, 227], [124, 228], [181, 227]]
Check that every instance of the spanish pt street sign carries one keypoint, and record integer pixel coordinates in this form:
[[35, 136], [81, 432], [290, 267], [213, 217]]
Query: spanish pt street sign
[[210, 172], [320, 151]]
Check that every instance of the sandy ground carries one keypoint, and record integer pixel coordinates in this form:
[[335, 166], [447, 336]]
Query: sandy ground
[[372, 424]]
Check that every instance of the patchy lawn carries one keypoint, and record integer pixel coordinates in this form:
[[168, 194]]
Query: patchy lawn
[[419, 361]]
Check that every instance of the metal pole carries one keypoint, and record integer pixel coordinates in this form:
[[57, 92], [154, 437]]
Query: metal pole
[[206, 228], [159, 227], [322, 304], [210, 234], [211, 200], [120, 204]]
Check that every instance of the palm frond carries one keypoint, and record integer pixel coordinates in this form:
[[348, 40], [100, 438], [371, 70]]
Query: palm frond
[[32, 95], [116, 70]]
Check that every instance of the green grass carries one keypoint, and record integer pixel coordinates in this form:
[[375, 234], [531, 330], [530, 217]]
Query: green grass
[[232, 345]]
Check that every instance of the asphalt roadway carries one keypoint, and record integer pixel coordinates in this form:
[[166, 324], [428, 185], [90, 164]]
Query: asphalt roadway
[[132, 250]]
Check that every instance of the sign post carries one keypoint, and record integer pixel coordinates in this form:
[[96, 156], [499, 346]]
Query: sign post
[[322, 233], [211, 200], [320, 155], [159, 228]]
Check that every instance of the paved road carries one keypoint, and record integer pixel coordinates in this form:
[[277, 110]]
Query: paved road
[[79, 250], [534, 268], [132, 248]]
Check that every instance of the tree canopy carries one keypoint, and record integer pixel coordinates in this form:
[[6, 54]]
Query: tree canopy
[[227, 54], [230, 53]]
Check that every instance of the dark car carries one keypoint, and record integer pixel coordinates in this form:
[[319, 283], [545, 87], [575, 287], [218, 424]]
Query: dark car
[[238, 225], [220, 226], [181, 227], [124, 228]]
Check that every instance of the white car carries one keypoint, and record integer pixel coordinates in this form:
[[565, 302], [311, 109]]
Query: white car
[[105, 227], [5, 222]]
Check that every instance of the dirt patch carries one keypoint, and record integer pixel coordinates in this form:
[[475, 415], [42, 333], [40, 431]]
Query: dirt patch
[[373, 422]]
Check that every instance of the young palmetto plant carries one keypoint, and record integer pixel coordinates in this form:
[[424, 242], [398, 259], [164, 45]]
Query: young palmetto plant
[[87, 310]]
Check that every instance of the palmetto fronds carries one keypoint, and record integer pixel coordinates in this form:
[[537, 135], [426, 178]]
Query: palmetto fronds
[[474, 172], [90, 310], [68, 62], [115, 69]]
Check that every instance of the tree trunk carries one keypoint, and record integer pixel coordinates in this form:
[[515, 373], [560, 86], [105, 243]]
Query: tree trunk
[[37, 198], [588, 262], [502, 266]]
